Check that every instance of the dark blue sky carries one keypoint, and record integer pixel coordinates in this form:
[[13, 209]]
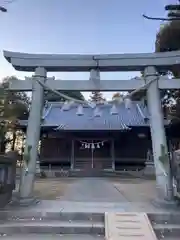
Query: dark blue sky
[[79, 26]]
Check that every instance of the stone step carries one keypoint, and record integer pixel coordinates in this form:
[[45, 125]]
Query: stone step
[[131, 226], [95, 173], [53, 237], [41, 215], [164, 218], [52, 227], [166, 225], [164, 231]]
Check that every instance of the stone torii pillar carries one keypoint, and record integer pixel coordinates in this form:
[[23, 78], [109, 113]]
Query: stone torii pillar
[[158, 136], [32, 137]]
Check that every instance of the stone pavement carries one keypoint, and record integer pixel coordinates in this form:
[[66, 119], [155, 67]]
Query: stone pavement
[[93, 190], [100, 195], [91, 207]]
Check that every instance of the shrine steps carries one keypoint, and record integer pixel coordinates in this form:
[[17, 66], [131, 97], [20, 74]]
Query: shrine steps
[[97, 173], [36, 225], [24, 224], [54, 237], [141, 226], [166, 225]]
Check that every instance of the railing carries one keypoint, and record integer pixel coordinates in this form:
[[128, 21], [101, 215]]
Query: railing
[[131, 160]]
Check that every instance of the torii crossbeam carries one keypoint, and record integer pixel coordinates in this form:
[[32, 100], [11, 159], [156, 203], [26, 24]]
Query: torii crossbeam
[[150, 63]]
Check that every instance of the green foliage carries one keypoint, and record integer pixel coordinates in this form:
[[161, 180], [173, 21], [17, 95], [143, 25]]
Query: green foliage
[[50, 96], [27, 154], [168, 39], [164, 158], [13, 106]]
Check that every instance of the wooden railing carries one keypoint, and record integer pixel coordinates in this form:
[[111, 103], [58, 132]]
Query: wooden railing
[[130, 160]]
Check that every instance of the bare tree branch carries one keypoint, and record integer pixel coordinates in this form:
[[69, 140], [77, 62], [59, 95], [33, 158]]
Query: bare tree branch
[[161, 19]]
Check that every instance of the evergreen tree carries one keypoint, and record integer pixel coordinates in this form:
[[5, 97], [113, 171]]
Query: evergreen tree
[[96, 97], [13, 106], [52, 97], [168, 39]]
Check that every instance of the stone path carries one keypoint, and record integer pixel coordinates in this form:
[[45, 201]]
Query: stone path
[[131, 226], [92, 190], [98, 195]]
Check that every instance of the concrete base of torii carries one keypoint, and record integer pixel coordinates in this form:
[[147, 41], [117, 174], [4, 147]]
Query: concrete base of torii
[[24, 202]]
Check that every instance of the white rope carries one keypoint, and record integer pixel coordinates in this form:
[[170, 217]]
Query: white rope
[[145, 86], [61, 94]]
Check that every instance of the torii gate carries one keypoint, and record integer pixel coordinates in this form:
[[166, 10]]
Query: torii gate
[[150, 63]]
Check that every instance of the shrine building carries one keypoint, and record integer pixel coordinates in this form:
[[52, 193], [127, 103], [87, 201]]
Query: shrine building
[[111, 136]]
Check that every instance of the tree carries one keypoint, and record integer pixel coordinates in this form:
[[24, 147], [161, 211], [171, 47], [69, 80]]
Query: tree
[[52, 97], [116, 95], [173, 13], [168, 39], [13, 106], [96, 97]]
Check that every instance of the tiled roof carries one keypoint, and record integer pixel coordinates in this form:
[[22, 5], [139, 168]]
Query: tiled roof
[[104, 117]]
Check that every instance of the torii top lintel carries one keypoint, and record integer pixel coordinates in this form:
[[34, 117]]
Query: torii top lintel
[[82, 63]]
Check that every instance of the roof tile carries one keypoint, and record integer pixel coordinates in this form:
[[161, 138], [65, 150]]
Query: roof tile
[[135, 116]]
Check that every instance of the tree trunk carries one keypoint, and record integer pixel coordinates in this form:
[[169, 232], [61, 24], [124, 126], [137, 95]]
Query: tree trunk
[[13, 141], [3, 144]]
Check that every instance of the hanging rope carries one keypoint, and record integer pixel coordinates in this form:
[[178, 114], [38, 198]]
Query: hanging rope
[[45, 86], [145, 86]]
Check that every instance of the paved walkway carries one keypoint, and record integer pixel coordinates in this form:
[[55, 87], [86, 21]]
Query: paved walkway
[[96, 195], [93, 190]]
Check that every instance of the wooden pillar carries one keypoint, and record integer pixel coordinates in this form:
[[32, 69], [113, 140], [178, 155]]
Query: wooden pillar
[[72, 154], [113, 155]]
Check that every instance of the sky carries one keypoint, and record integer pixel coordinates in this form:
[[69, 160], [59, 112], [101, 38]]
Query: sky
[[78, 26]]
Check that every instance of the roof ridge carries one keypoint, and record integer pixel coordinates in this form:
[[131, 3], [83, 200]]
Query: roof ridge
[[107, 103]]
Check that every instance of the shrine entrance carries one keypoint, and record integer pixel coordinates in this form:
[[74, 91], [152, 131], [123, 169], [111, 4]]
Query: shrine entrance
[[92, 155], [150, 83]]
